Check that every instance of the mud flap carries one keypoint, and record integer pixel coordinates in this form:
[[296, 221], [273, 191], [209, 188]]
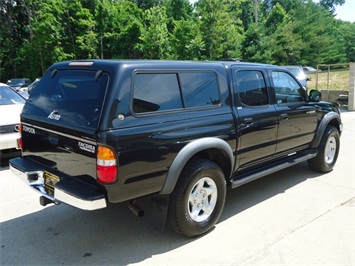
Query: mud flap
[[155, 210]]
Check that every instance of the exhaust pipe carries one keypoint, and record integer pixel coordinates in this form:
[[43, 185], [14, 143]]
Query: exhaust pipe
[[45, 201], [135, 208]]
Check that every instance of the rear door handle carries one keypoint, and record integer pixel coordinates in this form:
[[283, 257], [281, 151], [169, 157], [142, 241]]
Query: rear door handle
[[284, 116], [248, 120]]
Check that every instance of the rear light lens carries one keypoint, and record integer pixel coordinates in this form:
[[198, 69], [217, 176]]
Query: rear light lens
[[19, 141], [106, 165]]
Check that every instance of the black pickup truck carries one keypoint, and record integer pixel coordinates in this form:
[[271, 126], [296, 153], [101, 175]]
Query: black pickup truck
[[168, 137]]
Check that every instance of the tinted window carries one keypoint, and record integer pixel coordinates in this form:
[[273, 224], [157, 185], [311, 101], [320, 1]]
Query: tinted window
[[156, 92], [251, 88], [286, 88], [199, 89], [73, 97]]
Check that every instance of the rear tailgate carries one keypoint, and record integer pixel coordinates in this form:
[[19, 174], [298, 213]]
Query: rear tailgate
[[59, 125], [60, 149]]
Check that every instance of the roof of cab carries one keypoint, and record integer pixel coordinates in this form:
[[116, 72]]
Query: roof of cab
[[166, 64]]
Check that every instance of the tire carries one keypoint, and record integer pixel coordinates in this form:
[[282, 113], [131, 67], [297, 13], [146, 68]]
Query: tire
[[198, 198], [328, 151]]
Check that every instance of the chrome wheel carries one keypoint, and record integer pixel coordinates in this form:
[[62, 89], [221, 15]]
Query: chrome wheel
[[330, 149], [198, 198], [202, 199]]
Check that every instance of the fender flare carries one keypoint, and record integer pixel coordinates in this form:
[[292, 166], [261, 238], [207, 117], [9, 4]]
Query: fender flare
[[187, 152], [322, 126]]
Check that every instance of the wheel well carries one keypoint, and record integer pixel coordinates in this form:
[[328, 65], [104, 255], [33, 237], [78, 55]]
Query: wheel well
[[335, 123], [213, 149], [217, 156]]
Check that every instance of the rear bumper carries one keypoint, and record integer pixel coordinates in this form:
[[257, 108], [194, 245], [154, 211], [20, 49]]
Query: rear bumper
[[67, 189]]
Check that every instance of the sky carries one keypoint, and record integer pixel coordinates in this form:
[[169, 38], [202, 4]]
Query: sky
[[345, 12]]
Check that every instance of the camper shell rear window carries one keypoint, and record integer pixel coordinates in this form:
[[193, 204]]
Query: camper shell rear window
[[70, 96]]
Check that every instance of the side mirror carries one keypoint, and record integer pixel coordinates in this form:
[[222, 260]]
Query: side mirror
[[315, 96]]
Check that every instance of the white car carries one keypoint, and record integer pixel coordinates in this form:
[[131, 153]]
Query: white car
[[11, 104]]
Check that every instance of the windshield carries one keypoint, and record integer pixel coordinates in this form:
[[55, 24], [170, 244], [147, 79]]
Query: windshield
[[16, 82], [70, 96], [8, 96]]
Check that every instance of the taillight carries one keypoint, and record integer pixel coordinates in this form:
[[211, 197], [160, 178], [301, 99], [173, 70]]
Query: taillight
[[19, 141], [106, 165]]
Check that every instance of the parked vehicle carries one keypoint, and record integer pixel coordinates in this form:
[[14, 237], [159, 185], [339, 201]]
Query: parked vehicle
[[298, 72], [33, 85], [310, 70], [11, 105], [168, 137], [19, 84]]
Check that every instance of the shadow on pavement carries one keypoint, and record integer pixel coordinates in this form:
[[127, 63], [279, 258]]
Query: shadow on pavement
[[65, 235], [253, 193]]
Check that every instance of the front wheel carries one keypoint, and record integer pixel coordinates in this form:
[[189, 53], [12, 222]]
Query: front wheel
[[328, 151], [198, 198]]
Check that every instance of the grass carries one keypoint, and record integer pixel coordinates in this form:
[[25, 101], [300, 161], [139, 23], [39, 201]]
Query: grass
[[338, 80]]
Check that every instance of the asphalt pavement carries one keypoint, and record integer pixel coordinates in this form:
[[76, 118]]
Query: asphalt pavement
[[295, 216]]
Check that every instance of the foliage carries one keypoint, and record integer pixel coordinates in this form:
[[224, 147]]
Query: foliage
[[154, 39], [214, 16], [330, 4], [119, 25], [36, 33]]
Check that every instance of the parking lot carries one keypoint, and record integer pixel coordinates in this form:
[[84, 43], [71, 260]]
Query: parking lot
[[295, 216]]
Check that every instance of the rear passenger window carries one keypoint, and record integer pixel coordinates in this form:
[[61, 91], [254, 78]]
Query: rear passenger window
[[199, 89], [156, 92], [251, 88]]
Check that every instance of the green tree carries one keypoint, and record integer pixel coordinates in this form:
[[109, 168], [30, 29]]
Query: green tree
[[255, 46], [186, 41], [319, 32], [119, 27], [13, 33], [178, 9], [49, 33], [154, 39], [221, 27], [285, 46], [146, 4], [275, 18], [331, 4], [80, 28], [346, 36], [247, 13], [36, 33]]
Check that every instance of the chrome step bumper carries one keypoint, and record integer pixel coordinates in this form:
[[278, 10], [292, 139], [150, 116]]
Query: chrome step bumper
[[66, 190]]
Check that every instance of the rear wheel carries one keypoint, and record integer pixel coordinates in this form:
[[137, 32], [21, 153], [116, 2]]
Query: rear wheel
[[328, 151], [198, 198]]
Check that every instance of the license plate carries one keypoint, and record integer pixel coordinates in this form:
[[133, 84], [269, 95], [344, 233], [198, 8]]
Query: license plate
[[49, 181]]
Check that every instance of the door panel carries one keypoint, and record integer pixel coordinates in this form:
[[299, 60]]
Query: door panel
[[296, 127], [256, 118], [297, 120], [257, 128]]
